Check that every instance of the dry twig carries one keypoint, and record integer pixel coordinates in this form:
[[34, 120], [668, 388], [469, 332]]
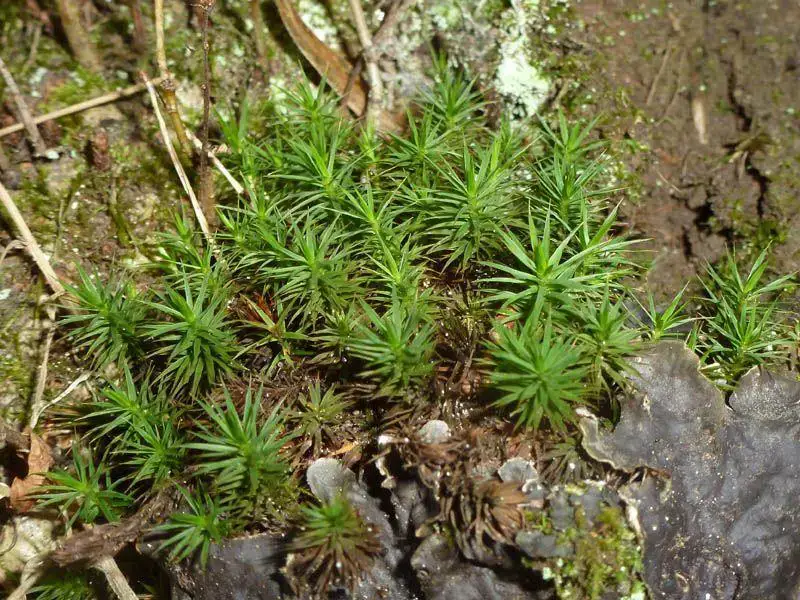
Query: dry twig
[[79, 41], [31, 572], [37, 403], [168, 84], [81, 106], [368, 52], [115, 578], [24, 114], [206, 180], [653, 86], [187, 186], [37, 414], [237, 187], [262, 49], [31, 245], [108, 539]]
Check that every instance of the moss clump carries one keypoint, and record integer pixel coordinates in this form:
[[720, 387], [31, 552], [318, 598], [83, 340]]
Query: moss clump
[[608, 558]]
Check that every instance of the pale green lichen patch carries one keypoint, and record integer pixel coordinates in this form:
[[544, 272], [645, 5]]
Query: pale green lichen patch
[[318, 20], [522, 84]]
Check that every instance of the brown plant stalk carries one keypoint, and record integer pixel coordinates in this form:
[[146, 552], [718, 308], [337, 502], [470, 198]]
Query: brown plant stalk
[[168, 85], [78, 38]]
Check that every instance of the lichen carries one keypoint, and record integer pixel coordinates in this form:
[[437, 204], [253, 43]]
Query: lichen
[[318, 20], [522, 84]]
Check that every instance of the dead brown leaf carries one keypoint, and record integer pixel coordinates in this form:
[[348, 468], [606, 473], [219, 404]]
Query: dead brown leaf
[[335, 69], [39, 462]]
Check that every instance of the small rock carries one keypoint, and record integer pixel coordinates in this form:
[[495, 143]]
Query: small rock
[[434, 432]]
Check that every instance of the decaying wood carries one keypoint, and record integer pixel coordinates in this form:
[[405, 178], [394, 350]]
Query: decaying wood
[[110, 538]]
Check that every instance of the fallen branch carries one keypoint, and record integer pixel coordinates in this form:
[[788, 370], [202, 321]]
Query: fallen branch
[[31, 245], [81, 106], [24, 114], [108, 539], [187, 186]]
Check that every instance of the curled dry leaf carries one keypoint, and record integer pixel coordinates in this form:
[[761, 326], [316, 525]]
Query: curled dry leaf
[[335, 69], [39, 462]]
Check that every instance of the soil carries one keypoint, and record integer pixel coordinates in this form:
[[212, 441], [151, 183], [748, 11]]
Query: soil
[[705, 95]]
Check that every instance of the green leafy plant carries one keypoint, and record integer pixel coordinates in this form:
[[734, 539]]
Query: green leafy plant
[[194, 530], [549, 274], [154, 455], [311, 274], [745, 326], [397, 348], [607, 341], [453, 99], [474, 199], [107, 321], [64, 584], [196, 337], [666, 322], [334, 546], [122, 411], [85, 494], [241, 454], [316, 414], [539, 372]]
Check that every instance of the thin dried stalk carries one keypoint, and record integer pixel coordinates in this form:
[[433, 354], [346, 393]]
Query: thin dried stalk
[[24, 114], [198, 211], [262, 48], [206, 180], [237, 187], [78, 38], [139, 31], [365, 38], [31, 245], [80, 106], [115, 578], [168, 84]]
